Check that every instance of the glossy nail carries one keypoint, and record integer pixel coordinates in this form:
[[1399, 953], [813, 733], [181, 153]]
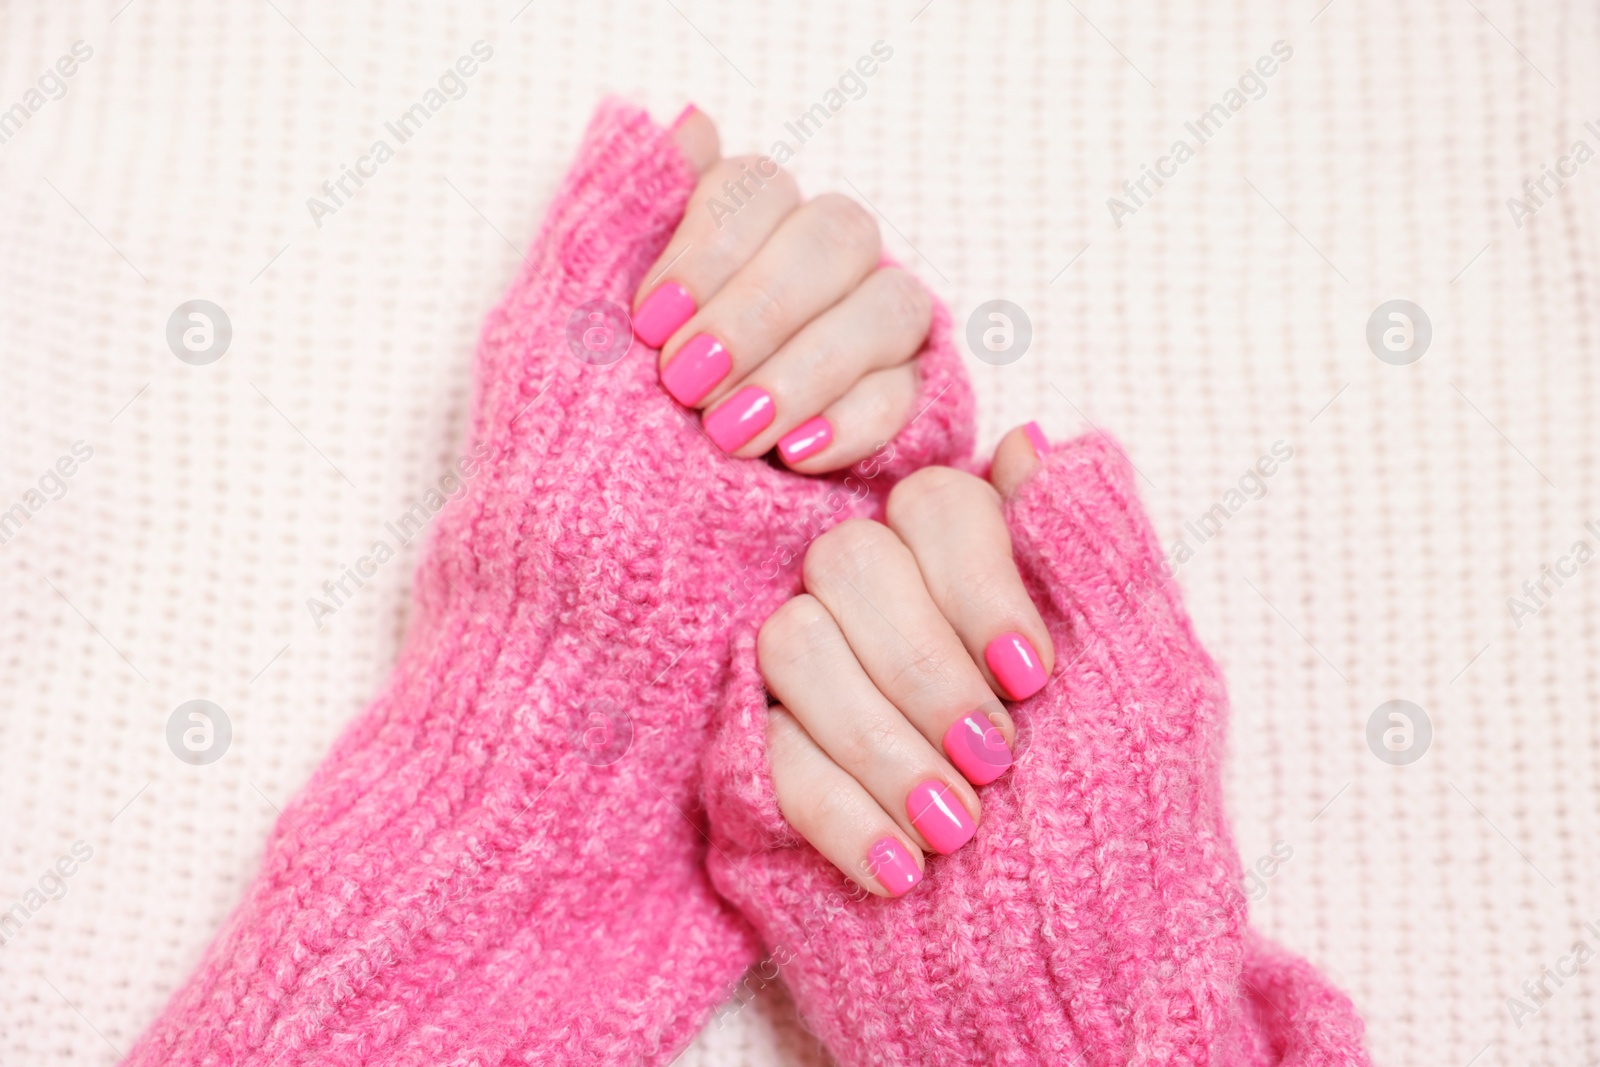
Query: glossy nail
[[1016, 665], [1036, 438], [662, 312], [695, 369], [893, 866], [739, 418], [977, 748], [939, 817], [807, 439], [689, 109]]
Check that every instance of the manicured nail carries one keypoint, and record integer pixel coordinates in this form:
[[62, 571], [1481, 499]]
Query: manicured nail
[[696, 369], [739, 418], [939, 817], [893, 866], [1036, 438], [1015, 665], [807, 439], [662, 312], [689, 109], [977, 748]]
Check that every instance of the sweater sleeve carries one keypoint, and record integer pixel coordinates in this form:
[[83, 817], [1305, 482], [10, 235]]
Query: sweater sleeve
[[1097, 915], [502, 858]]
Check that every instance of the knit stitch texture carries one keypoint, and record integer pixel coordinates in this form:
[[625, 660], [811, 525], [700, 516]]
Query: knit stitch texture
[[502, 857], [1097, 917]]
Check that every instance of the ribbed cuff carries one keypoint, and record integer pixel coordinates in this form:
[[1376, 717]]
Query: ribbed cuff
[[612, 215], [1086, 549]]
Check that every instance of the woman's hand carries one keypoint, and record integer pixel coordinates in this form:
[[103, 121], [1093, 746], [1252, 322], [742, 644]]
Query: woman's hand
[[774, 317], [888, 666]]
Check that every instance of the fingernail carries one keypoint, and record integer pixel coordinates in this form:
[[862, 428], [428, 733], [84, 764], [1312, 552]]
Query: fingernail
[[689, 109], [662, 312], [893, 866], [977, 748], [807, 439], [739, 418], [1036, 438], [1015, 664], [696, 369], [939, 817]]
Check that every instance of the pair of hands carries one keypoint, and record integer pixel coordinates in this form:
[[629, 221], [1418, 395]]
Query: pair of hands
[[780, 323]]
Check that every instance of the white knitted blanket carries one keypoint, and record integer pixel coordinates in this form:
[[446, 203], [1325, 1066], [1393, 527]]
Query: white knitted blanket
[[1201, 209]]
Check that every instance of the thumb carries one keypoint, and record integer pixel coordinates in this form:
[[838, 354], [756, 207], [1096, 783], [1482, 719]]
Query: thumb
[[696, 137]]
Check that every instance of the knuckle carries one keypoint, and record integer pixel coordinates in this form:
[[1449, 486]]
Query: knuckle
[[753, 171], [868, 745], [792, 630], [988, 598], [990, 592], [752, 176], [848, 549], [828, 809], [782, 182], [722, 170], [763, 312], [846, 224], [930, 490], [734, 182], [923, 670], [903, 301], [764, 173]]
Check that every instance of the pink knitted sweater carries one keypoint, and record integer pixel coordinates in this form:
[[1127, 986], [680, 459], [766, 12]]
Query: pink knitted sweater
[[504, 858], [1096, 917]]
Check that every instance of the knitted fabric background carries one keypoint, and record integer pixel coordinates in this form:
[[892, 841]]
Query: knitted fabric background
[[1397, 551]]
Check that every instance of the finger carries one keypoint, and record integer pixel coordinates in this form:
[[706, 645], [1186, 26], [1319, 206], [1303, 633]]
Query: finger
[[829, 808], [869, 582], [713, 241], [952, 523], [696, 137], [818, 254], [879, 324], [855, 426], [810, 668], [1016, 457]]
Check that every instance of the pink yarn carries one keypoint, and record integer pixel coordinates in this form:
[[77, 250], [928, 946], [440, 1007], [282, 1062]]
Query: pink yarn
[[464, 880], [456, 884], [1097, 917]]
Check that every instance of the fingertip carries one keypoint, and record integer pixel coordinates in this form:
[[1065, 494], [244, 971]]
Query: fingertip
[[1036, 438], [805, 441], [1016, 458], [696, 137], [1013, 658], [979, 744], [892, 867]]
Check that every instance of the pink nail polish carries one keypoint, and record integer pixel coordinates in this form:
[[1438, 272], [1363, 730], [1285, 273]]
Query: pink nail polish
[[807, 439], [662, 312], [939, 817], [1015, 664], [893, 866], [695, 369], [1036, 438], [688, 109], [977, 748], [739, 418]]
